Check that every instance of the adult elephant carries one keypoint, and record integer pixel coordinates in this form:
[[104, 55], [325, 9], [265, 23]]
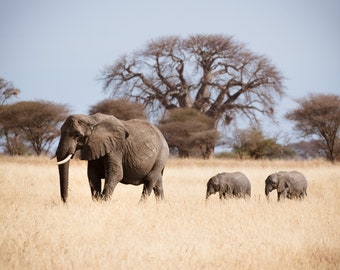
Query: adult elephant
[[234, 184], [289, 184], [130, 152]]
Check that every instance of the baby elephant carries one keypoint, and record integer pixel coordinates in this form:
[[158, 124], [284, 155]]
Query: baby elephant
[[289, 185], [229, 184]]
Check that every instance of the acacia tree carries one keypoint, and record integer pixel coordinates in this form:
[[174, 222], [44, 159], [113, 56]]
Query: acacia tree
[[14, 144], [189, 131], [121, 108], [252, 142], [33, 122], [213, 74], [7, 90], [319, 115]]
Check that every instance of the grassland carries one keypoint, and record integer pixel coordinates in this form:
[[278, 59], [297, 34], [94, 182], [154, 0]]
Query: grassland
[[184, 232]]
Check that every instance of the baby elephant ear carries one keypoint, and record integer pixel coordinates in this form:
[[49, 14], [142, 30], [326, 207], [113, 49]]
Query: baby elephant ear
[[107, 136], [282, 184]]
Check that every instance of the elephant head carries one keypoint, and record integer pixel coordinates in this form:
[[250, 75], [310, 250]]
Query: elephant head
[[213, 186], [280, 182], [94, 136], [271, 183]]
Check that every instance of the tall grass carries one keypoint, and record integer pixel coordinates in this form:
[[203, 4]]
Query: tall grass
[[184, 232]]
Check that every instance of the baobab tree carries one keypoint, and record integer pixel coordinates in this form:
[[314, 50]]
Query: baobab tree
[[213, 74]]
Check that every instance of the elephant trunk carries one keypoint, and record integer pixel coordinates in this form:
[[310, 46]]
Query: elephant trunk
[[65, 151], [63, 178], [266, 191]]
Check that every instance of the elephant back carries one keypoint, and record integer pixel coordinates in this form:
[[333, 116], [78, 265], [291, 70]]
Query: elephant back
[[242, 183]]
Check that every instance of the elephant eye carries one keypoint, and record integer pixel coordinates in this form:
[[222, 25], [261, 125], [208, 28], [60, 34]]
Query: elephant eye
[[77, 134]]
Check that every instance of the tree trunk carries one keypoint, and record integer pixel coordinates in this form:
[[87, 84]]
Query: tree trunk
[[207, 151], [183, 153]]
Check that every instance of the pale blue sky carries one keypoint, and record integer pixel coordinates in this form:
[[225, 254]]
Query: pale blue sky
[[55, 50]]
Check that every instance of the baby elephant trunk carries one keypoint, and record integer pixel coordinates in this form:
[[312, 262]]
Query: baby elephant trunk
[[266, 191], [210, 190]]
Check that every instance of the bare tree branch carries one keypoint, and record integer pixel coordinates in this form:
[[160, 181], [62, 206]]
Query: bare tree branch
[[213, 74]]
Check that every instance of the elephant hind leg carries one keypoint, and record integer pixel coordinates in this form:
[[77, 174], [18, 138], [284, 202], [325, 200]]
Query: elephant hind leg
[[158, 189], [153, 181], [147, 188], [303, 194]]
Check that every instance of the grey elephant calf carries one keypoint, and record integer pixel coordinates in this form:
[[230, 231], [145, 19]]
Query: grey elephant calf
[[229, 184], [289, 184]]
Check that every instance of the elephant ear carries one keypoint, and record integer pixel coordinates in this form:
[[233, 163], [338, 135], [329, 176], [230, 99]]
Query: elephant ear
[[228, 188], [106, 137], [282, 184], [216, 183]]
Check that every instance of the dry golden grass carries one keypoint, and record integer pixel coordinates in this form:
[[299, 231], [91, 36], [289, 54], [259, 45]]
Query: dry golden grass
[[184, 232]]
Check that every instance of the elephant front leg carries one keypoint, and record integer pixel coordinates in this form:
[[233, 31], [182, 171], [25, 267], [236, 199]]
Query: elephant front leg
[[95, 189], [111, 181], [282, 195], [94, 176], [110, 185], [113, 175]]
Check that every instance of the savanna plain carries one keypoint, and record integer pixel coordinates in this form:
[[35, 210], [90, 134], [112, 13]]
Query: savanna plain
[[37, 231]]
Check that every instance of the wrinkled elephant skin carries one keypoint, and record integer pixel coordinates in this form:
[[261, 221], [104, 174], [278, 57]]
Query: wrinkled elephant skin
[[289, 184], [130, 152], [229, 185]]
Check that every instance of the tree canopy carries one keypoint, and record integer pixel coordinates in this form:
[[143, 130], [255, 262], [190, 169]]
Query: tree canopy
[[190, 132], [121, 108], [319, 115], [213, 74], [7, 90], [252, 142], [31, 122]]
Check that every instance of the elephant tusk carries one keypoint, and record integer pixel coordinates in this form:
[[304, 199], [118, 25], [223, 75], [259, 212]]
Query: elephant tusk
[[64, 160]]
